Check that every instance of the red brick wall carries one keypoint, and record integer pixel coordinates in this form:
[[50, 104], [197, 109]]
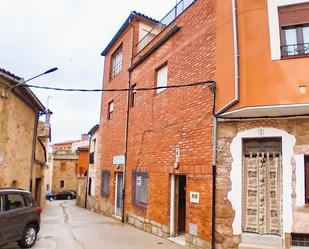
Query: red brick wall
[[175, 117]]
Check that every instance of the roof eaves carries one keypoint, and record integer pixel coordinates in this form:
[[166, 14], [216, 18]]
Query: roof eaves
[[23, 91], [123, 27]]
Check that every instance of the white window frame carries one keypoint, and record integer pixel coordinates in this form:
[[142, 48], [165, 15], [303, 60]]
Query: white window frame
[[116, 62], [162, 78], [274, 27]]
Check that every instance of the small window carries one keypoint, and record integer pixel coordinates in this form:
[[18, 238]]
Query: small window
[[301, 240], [133, 95], [110, 110], [161, 78], [15, 201], [61, 183], [105, 183], [140, 188], [294, 24], [307, 179], [116, 62]]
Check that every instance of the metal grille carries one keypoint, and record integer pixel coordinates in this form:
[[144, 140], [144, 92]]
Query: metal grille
[[300, 240], [295, 49], [165, 21], [105, 183], [140, 188]]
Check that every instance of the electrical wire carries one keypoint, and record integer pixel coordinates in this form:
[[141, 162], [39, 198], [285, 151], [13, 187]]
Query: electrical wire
[[209, 82]]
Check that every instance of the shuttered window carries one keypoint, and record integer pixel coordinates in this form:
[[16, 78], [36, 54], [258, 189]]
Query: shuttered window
[[140, 188], [294, 25], [105, 183]]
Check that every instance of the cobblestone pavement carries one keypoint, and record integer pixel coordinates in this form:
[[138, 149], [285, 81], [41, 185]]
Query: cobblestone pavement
[[66, 226]]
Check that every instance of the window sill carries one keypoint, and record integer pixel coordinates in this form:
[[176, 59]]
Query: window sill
[[139, 205], [294, 57]]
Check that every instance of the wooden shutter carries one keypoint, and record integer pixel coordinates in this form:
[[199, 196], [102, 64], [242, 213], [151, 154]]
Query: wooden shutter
[[294, 14]]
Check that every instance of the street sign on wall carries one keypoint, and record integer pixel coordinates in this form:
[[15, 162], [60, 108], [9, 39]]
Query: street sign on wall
[[118, 160]]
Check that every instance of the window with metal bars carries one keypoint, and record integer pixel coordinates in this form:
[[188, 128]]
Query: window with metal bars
[[294, 25], [105, 178], [140, 188], [300, 240]]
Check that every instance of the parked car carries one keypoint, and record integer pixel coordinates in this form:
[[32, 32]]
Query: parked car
[[50, 196], [65, 195], [19, 217]]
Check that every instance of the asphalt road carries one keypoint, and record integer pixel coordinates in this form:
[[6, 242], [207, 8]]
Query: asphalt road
[[66, 226]]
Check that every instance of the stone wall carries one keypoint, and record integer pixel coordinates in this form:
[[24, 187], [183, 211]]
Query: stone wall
[[65, 167], [16, 136], [224, 210]]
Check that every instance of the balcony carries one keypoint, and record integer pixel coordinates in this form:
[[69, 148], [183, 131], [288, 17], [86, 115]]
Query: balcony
[[295, 50], [164, 22]]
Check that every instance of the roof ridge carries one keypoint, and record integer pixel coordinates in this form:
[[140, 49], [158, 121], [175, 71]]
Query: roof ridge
[[10, 74]]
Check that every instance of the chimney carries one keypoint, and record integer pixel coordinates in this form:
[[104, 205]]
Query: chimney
[[84, 137]]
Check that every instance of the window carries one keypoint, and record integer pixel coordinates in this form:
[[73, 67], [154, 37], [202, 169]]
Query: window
[[105, 183], [133, 95], [116, 62], [294, 28], [61, 183], [140, 188], [307, 179], [15, 201], [110, 110], [300, 240], [1, 203], [161, 78]]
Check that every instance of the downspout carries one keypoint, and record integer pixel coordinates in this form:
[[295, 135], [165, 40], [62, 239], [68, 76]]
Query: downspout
[[214, 170], [127, 127], [217, 114], [236, 62], [35, 133], [87, 182]]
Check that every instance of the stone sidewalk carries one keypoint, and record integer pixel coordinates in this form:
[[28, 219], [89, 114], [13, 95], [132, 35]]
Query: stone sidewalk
[[66, 226]]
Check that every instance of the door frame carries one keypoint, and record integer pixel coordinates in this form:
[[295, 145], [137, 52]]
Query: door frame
[[235, 195], [116, 191], [174, 211]]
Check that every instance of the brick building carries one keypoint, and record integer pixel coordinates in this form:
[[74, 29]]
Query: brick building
[[162, 155], [263, 130]]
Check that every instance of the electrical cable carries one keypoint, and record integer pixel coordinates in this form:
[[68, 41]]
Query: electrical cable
[[120, 89]]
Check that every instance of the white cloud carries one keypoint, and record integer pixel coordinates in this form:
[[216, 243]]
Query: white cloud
[[40, 34]]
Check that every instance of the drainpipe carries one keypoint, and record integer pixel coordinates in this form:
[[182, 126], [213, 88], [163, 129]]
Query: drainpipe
[[127, 128], [236, 62], [35, 133], [216, 115], [87, 181], [214, 170]]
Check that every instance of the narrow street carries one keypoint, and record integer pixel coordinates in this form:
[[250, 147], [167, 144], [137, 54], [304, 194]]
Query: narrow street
[[66, 226]]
